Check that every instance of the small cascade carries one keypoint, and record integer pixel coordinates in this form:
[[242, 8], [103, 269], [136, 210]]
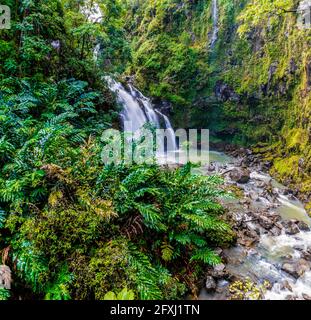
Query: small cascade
[[215, 23], [171, 134], [138, 110]]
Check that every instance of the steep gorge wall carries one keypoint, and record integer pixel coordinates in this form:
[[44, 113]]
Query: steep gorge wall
[[252, 88], [265, 87]]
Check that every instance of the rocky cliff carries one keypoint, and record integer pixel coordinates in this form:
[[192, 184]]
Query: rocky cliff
[[251, 85]]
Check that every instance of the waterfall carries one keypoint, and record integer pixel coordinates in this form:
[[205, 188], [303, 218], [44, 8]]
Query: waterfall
[[215, 23], [138, 110]]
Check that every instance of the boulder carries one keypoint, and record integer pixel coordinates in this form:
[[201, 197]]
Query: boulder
[[291, 227], [302, 267], [303, 226], [298, 269], [210, 284], [266, 222], [306, 296], [306, 254], [246, 242], [287, 286], [290, 269], [275, 231], [219, 271], [240, 175]]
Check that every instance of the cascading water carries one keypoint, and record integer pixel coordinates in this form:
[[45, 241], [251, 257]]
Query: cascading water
[[138, 110], [282, 258], [215, 23]]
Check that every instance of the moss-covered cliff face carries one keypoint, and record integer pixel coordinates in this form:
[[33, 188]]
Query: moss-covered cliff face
[[264, 83], [253, 86]]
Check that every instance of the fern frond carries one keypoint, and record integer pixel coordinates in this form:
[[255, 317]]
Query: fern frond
[[207, 256]]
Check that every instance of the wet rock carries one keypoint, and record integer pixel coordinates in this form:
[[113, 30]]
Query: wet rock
[[240, 175], [290, 269], [306, 255], [291, 227], [211, 168], [246, 241], [265, 222], [287, 286], [218, 251], [210, 284], [219, 271], [279, 225], [303, 226], [275, 231], [302, 267], [306, 296], [298, 269]]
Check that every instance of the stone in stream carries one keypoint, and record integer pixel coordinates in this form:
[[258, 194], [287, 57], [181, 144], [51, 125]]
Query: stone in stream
[[306, 297], [290, 269], [286, 285], [265, 222], [210, 284], [219, 271], [303, 266], [296, 269], [240, 175], [303, 226], [306, 254], [275, 231], [291, 227]]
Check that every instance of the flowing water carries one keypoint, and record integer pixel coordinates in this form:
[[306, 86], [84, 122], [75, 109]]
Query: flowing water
[[215, 22], [138, 111], [263, 261]]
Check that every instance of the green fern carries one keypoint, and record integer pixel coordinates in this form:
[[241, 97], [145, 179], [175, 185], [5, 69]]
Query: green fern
[[125, 294], [2, 218], [207, 256], [32, 267], [59, 289], [4, 294]]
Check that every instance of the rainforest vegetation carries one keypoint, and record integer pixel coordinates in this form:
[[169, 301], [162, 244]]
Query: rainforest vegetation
[[74, 228]]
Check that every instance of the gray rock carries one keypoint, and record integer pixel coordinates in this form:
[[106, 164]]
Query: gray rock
[[298, 269], [275, 231], [302, 267], [306, 255], [286, 285], [240, 175], [291, 228], [219, 271], [306, 297], [210, 284], [303, 226], [265, 222], [290, 269]]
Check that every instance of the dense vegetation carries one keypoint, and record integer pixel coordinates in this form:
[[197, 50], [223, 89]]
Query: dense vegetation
[[252, 88], [71, 227]]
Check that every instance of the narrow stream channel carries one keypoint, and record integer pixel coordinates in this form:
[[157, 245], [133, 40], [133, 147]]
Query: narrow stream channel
[[282, 254]]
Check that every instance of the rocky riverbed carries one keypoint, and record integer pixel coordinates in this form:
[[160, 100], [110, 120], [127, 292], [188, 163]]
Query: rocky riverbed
[[273, 249]]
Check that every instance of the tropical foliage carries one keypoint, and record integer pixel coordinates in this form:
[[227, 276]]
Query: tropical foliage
[[70, 226]]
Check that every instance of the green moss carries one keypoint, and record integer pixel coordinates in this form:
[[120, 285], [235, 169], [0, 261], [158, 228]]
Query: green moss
[[287, 167]]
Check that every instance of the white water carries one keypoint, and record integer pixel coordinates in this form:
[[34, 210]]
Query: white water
[[264, 261], [138, 110], [215, 22]]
